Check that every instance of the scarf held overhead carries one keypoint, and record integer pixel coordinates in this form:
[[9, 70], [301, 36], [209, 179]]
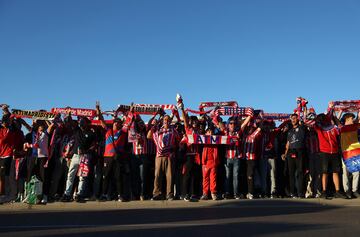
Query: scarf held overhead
[[217, 104], [75, 112], [210, 140], [346, 105], [41, 115], [149, 109]]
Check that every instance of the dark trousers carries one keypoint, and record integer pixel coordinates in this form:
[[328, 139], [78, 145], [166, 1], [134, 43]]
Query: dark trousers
[[124, 166], [191, 180], [117, 171], [59, 174], [36, 167], [140, 170], [296, 168], [251, 167], [111, 175]]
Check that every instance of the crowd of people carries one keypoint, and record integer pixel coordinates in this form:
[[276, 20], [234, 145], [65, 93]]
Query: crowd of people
[[76, 160]]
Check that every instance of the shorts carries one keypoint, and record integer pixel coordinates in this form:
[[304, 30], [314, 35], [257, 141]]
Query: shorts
[[330, 163], [5, 165]]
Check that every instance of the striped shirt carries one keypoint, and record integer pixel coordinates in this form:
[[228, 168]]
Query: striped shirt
[[193, 150], [252, 145], [140, 146], [166, 141], [233, 151]]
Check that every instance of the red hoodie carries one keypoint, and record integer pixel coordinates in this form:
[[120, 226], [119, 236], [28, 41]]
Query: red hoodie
[[328, 139]]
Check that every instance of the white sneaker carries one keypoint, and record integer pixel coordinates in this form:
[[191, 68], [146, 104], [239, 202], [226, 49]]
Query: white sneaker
[[249, 196], [214, 197], [44, 200]]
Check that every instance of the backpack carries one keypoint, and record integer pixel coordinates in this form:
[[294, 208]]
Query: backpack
[[33, 190]]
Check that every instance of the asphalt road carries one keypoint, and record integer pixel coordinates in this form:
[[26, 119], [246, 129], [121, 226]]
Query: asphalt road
[[280, 217]]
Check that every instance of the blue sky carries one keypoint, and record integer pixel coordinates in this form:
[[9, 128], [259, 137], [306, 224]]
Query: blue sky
[[260, 53]]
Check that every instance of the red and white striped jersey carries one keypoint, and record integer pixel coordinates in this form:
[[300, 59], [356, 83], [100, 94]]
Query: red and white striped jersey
[[233, 151], [140, 146], [252, 145], [166, 141], [193, 150]]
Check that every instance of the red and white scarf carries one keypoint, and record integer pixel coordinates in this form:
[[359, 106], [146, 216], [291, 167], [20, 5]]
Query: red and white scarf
[[210, 139], [75, 111], [346, 105]]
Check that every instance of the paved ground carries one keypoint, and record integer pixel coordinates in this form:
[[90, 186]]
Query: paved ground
[[280, 217]]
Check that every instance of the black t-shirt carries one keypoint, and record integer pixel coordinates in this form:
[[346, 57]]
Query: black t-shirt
[[83, 140], [296, 137]]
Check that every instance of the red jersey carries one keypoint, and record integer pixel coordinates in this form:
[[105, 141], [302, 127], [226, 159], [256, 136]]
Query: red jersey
[[252, 145], [8, 142], [117, 138], [328, 139]]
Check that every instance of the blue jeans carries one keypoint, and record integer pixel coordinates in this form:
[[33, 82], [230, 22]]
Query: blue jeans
[[232, 167], [73, 169]]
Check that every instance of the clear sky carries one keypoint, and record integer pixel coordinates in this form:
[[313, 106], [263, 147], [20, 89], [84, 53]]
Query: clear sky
[[260, 53]]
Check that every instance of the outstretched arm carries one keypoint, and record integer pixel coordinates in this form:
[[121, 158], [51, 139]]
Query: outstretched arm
[[99, 115], [25, 124]]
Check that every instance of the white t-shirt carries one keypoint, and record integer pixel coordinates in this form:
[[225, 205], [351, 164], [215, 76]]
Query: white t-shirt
[[43, 142]]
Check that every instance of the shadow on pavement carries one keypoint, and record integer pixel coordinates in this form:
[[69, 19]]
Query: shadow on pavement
[[219, 219]]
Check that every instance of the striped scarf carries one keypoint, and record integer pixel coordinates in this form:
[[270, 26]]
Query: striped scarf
[[346, 105], [197, 139]]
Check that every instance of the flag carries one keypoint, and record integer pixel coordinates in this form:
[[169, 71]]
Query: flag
[[350, 146]]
